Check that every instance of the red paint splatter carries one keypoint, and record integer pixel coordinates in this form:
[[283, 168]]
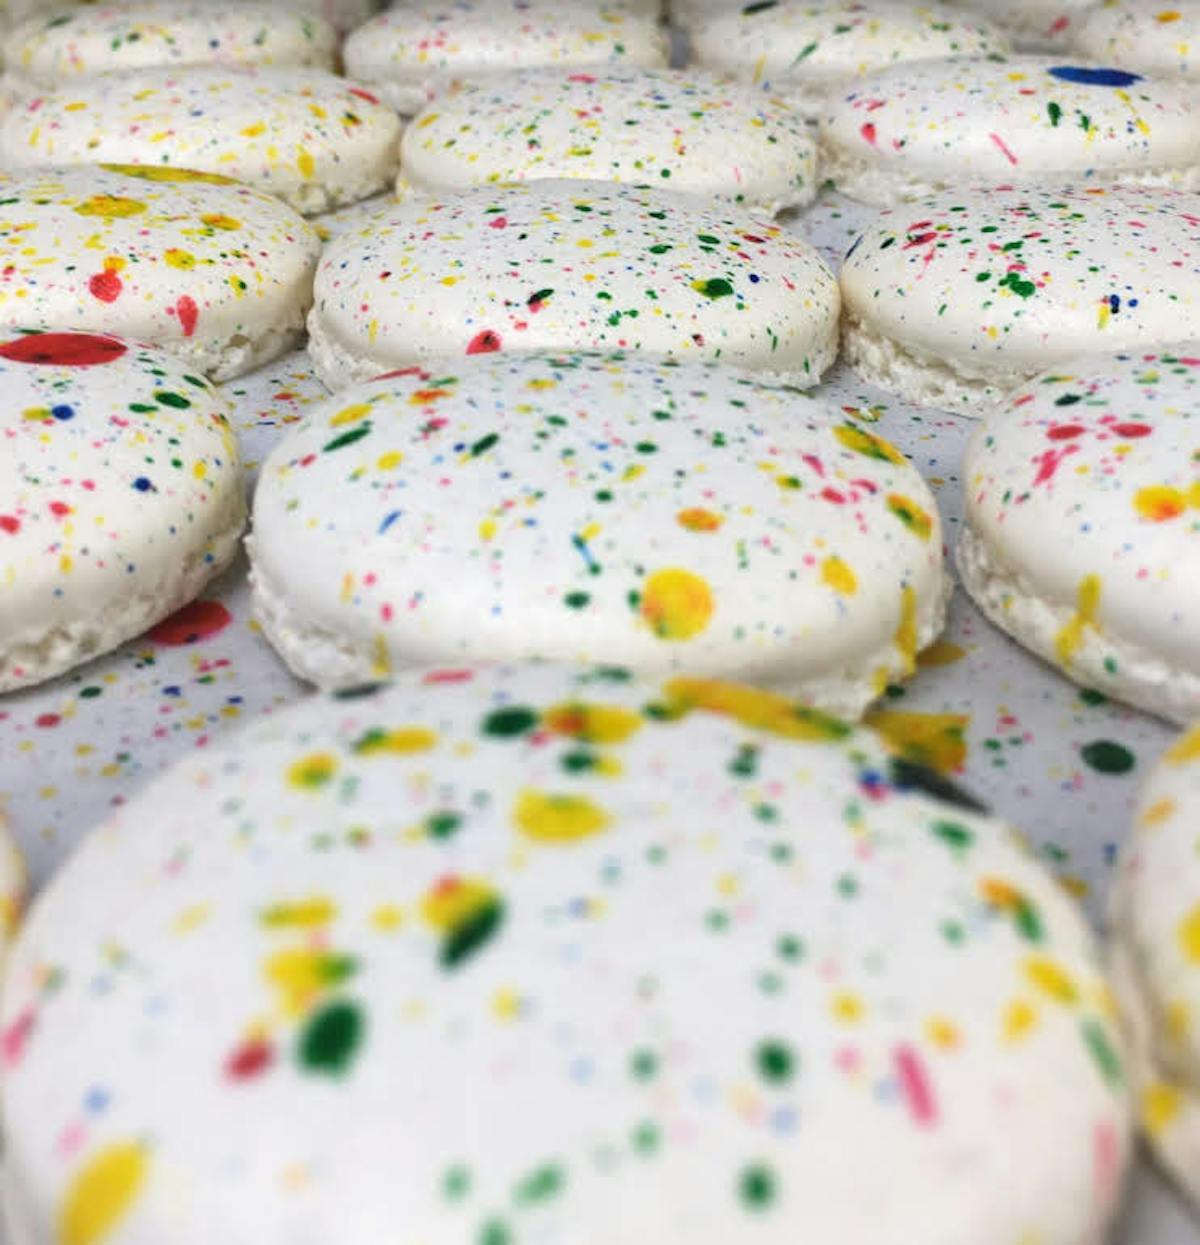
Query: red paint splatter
[[1064, 432], [9, 524], [106, 286], [16, 1037], [197, 621], [62, 349], [501, 222], [59, 509], [47, 721], [914, 1084], [401, 371], [250, 1060], [1008, 155], [371, 99], [448, 676], [867, 130], [188, 314], [1132, 431], [485, 342], [1050, 461]]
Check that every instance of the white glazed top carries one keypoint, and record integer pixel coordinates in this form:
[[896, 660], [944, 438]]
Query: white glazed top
[[598, 508], [303, 135], [132, 34], [800, 45], [1006, 283], [118, 467], [684, 132], [1029, 119], [646, 962], [562, 265], [158, 255], [1086, 484], [1159, 39], [416, 51]]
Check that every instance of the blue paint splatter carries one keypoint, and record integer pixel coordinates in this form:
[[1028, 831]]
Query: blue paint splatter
[[1094, 77], [142, 484], [63, 412], [389, 520]]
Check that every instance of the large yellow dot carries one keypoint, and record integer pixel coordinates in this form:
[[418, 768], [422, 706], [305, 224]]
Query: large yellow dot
[[677, 604], [552, 818], [101, 1194]]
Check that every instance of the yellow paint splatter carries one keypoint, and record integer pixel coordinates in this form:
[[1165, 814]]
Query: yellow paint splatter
[[399, 741], [102, 1194], [917, 520], [677, 604], [1189, 935], [110, 207], [935, 740], [1019, 1021], [553, 818], [300, 974], [846, 1008], [351, 415], [1158, 812], [697, 519], [1159, 503], [310, 913], [313, 771], [753, 707], [161, 173], [305, 163], [455, 901], [1161, 1104], [591, 723], [863, 442], [940, 653], [1051, 979], [1185, 749], [906, 631], [1069, 640], [838, 576]]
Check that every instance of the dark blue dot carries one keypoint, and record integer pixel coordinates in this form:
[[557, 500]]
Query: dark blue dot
[[1094, 77], [63, 412], [142, 484]]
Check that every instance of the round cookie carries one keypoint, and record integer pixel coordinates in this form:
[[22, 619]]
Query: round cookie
[[631, 953], [1078, 540], [1155, 960], [217, 273], [13, 886], [120, 496], [105, 38], [602, 509], [416, 51], [1162, 40], [805, 51], [697, 134], [569, 265], [1036, 25], [961, 297], [305, 136], [913, 130]]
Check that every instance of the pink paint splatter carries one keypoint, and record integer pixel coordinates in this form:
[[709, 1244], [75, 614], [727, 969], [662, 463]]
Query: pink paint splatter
[[16, 1037], [915, 1085], [188, 314], [485, 342], [1008, 155]]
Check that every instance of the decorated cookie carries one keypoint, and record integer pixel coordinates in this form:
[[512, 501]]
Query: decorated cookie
[[963, 296], [692, 133], [1155, 930], [120, 496], [1156, 39], [305, 136], [1083, 536], [913, 130], [13, 885], [133, 34], [217, 273], [597, 508], [563, 265], [424, 48], [803, 51], [1037, 25], [685, 955]]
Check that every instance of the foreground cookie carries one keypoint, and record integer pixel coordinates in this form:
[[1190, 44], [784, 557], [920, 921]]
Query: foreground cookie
[[804, 51], [120, 496], [1155, 929], [562, 265], [135, 34], [680, 948], [1079, 540], [218, 273], [417, 51], [914, 130], [687, 133], [963, 296], [1154, 39], [305, 136], [597, 508]]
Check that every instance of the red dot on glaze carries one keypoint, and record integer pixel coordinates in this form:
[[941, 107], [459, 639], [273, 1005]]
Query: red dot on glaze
[[448, 676], [1132, 431], [371, 99], [1064, 432], [251, 1059], [47, 720], [188, 314], [487, 342], [106, 286], [197, 621], [867, 130], [62, 349], [10, 524]]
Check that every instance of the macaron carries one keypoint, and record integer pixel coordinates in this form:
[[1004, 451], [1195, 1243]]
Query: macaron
[[311, 139], [696, 133], [632, 952], [120, 496], [956, 299], [217, 273], [913, 130], [571, 265], [414, 52], [805, 52], [600, 508], [1081, 537], [1154, 39]]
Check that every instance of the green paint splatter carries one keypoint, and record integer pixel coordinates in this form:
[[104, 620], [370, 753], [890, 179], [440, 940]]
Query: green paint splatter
[[468, 937], [643, 1065], [1018, 284], [540, 1185], [1055, 111], [510, 722], [176, 400], [790, 948], [745, 764], [456, 1183], [713, 287], [484, 444], [954, 834], [1101, 1050], [775, 1062], [331, 1039], [757, 1187], [347, 438], [1092, 698], [1107, 757], [645, 1138], [577, 600], [443, 824], [495, 1232]]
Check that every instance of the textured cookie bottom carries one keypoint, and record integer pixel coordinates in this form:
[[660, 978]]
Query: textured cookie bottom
[[880, 187], [334, 660], [1103, 662], [227, 358], [70, 644], [311, 198]]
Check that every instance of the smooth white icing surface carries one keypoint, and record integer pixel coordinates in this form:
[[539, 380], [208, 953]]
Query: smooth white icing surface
[[303, 135], [566, 265], [120, 496], [214, 271], [917, 129], [646, 962], [597, 508], [686, 132], [134, 34], [1161, 39], [1155, 928], [966, 294], [802, 50], [417, 51], [1082, 493]]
